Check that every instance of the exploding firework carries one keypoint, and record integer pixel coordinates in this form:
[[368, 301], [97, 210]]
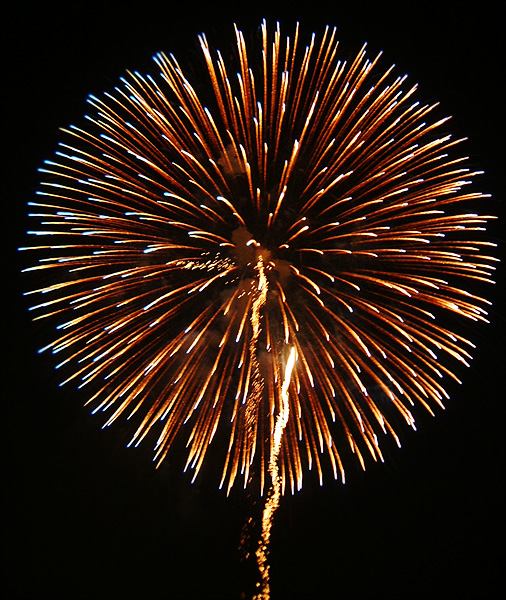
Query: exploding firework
[[274, 264]]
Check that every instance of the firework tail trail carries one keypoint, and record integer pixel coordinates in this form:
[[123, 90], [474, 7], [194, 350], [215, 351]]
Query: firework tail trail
[[257, 388], [274, 495]]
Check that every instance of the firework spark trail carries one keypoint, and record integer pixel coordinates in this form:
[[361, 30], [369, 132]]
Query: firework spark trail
[[252, 403], [274, 496], [364, 218]]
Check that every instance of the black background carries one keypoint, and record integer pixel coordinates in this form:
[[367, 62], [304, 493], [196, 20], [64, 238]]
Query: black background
[[85, 517]]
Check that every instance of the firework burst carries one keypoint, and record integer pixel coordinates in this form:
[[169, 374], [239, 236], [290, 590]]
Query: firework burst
[[295, 209]]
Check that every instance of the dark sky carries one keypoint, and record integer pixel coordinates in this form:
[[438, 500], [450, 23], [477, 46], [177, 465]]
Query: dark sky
[[87, 518]]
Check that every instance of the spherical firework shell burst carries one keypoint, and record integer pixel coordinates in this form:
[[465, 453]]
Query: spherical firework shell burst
[[191, 233]]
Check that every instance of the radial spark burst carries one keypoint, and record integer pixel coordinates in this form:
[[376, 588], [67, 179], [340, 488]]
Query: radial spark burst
[[288, 206]]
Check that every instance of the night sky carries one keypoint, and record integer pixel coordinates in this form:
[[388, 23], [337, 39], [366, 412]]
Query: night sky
[[87, 518]]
